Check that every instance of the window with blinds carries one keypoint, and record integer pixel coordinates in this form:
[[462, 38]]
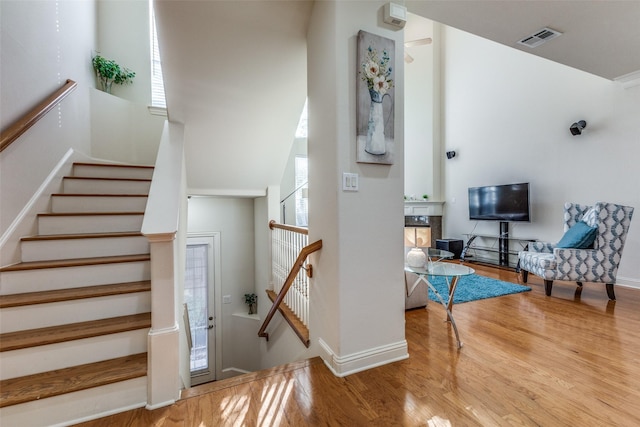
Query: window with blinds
[[157, 84]]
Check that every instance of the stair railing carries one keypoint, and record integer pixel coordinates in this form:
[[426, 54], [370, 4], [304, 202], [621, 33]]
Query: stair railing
[[21, 125], [289, 253]]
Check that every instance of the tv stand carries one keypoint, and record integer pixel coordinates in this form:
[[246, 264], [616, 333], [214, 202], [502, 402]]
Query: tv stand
[[483, 247]]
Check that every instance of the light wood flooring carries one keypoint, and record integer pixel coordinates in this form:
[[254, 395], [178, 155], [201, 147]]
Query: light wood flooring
[[527, 360]]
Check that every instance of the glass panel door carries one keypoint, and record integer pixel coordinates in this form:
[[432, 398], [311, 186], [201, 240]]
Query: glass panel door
[[199, 297]]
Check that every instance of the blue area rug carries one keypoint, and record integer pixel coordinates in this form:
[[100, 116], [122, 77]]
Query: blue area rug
[[474, 287]]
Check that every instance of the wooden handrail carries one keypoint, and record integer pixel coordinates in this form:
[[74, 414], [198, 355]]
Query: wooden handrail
[[21, 125], [300, 230], [297, 265]]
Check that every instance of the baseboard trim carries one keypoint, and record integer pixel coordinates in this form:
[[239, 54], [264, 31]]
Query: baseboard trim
[[100, 415], [160, 405], [628, 282], [25, 222], [232, 372], [341, 366]]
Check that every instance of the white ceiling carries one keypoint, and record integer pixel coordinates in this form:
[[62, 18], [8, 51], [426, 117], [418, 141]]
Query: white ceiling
[[235, 76], [235, 71], [599, 37]]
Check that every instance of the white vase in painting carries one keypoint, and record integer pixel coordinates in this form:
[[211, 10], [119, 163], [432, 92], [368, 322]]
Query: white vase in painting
[[375, 143]]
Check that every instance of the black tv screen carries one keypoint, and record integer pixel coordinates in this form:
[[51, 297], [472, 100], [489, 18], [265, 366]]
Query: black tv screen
[[508, 202]]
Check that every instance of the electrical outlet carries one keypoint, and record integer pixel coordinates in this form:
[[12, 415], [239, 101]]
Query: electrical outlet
[[226, 299]]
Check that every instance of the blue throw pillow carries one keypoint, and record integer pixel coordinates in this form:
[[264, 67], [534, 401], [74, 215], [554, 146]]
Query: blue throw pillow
[[580, 236]]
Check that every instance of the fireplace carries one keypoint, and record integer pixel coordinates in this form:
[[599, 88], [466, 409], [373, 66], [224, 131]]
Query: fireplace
[[432, 222]]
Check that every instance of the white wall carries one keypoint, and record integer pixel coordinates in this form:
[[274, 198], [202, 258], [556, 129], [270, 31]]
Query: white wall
[[421, 161], [357, 302], [123, 35], [43, 43], [234, 219], [507, 115], [122, 129]]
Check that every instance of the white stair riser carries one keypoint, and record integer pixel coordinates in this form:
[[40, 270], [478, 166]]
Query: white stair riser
[[81, 310], [29, 361], [75, 204], [42, 250], [50, 225], [101, 186], [46, 279], [112, 172], [73, 408]]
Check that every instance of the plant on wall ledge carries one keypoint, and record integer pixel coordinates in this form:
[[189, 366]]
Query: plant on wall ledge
[[251, 300], [109, 72]]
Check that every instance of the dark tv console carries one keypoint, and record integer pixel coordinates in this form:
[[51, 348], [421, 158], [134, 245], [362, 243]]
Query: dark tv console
[[481, 247]]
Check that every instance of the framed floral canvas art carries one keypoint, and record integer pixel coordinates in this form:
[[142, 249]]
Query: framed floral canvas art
[[375, 99]]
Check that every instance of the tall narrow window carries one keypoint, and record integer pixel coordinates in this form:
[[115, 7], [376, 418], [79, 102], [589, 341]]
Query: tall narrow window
[[302, 195], [157, 84], [302, 174], [303, 123]]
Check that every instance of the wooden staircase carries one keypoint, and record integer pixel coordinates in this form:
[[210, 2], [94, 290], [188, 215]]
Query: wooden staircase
[[75, 312]]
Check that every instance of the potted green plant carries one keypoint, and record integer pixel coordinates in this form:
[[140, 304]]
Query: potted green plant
[[252, 301], [109, 72], [425, 197]]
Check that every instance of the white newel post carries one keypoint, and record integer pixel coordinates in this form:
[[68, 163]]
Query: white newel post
[[163, 341], [162, 226]]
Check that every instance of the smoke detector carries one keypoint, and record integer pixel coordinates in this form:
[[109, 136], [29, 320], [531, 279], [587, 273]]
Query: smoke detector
[[539, 37]]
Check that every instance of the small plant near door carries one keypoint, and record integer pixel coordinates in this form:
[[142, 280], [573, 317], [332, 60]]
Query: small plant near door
[[252, 301], [109, 72]]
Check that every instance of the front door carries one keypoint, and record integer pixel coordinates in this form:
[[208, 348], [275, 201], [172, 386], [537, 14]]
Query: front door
[[199, 295]]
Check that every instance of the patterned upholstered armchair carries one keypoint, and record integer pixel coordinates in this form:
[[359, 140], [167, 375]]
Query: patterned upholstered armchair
[[597, 263]]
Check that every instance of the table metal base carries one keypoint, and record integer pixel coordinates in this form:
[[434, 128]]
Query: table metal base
[[448, 306]]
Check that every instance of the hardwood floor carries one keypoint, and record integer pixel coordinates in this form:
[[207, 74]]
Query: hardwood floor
[[527, 360]]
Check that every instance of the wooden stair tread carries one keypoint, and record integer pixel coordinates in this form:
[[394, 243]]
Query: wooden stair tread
[[298, 327], [96, 195], [57, 295], [48, 384], [73, 331], [79, 236], [98, 178], [52, 214], [112, 165], [79, 262]]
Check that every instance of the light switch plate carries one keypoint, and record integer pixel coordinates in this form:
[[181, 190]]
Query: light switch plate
[[349, 181]]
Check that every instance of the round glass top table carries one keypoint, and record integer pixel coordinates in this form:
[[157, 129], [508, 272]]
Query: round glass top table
[[436, 255], [450, 271]]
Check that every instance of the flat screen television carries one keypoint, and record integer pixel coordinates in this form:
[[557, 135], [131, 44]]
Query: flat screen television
[[508, 202]]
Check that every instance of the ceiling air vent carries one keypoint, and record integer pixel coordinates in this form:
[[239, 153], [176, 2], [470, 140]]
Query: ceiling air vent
[[541, 36]]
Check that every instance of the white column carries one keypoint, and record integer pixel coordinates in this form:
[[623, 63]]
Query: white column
[[357, 293]]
